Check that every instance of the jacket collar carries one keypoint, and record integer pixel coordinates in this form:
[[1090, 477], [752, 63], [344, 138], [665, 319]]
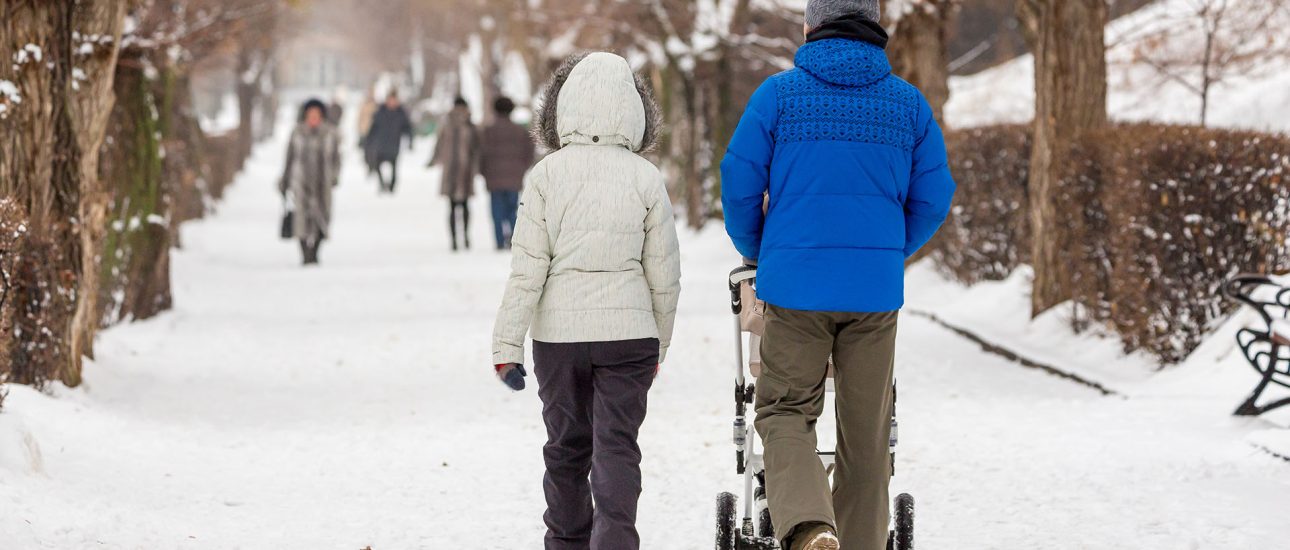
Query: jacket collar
[[851, 27]]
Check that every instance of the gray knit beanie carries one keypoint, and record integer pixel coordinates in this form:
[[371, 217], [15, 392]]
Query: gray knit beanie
[[820, 11]]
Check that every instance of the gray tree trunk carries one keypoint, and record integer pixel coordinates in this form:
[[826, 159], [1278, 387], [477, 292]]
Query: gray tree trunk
[[1067, 38]]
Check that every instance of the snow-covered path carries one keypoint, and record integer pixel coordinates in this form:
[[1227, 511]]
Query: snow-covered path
[[353, 405]]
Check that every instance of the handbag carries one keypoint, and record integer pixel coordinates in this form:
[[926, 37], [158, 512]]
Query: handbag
[[288, 225]]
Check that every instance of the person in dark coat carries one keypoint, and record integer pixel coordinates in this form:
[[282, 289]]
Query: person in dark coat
[[312, 170], [506, 155], [385, 137], [457, 152]]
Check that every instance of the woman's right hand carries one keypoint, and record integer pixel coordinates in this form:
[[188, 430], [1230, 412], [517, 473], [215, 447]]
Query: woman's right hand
[[511, 374]]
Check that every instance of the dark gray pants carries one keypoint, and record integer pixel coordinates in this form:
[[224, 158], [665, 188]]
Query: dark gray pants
[[593, 403]]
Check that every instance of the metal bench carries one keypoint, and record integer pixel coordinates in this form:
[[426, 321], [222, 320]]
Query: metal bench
[[1267, 348]]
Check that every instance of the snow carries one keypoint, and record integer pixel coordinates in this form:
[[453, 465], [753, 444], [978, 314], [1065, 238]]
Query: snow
[[471, 81], [9, 95], [1257, 101], [225, 119], [28, 53], [1047, 339], [353, 405]]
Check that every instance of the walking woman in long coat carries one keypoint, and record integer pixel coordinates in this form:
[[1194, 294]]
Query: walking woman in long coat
[[458, 152], [312, 170]]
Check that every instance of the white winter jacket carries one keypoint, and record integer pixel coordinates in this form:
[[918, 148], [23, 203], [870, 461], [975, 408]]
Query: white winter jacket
[[595, 249]]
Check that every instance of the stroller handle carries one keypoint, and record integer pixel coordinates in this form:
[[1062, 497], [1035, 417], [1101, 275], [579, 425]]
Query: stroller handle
[[738, 277]]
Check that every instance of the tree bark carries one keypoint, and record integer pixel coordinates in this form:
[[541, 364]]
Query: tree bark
[[919, 51], [91, 107], [137, 247], [51, 140], [1067, 38]]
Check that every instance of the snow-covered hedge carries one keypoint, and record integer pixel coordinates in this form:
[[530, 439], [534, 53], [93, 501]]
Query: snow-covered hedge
[[1158, 216], [27, 301], [1166, 213], [987, 234]]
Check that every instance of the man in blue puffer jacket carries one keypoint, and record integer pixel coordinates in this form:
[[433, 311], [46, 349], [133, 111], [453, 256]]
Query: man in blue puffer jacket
[[836, 175]]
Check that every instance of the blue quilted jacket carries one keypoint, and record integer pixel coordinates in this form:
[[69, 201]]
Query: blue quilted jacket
[[855, 168]]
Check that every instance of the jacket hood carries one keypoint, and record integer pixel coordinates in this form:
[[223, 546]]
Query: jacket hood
[[844, 62], [595, 99]]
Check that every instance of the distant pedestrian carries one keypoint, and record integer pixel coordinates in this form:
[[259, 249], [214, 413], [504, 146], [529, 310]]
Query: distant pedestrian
[[312, 170], [457, 153], [366, 112], [507, 155], [384, 139], [336, 111], [596, 272]]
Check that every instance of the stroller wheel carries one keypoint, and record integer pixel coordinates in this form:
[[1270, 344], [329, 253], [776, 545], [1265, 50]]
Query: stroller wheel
[[904, 534], [764, 527], [727, 526]]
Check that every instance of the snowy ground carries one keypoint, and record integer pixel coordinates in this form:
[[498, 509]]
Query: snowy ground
[[353, 405]]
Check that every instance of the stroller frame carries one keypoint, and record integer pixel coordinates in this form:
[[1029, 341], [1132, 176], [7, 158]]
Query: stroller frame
[[739, 531]]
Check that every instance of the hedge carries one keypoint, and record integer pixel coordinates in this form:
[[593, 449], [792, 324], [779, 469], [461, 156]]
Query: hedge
[[1159, 216], [988, 232], [1169, 213]]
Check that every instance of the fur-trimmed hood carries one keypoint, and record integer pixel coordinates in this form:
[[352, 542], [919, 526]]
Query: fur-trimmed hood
[[595, 99]]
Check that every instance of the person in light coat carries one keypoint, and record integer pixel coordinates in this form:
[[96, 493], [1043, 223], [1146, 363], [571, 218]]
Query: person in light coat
[[595, 279]]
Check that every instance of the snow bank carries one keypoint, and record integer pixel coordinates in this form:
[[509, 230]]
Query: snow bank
[[999, 312], [19, 450], [1213, 380]]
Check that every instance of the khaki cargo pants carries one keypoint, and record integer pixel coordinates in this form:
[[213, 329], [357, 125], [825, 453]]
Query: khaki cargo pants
[[790, 398]]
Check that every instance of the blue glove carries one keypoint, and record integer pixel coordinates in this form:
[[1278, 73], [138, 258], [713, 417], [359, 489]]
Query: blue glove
[[512, 374]]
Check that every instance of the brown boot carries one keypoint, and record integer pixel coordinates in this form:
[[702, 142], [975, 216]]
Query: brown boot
[[814, 536]]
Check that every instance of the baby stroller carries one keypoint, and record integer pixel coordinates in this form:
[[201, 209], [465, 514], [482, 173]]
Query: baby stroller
[[754, 531]]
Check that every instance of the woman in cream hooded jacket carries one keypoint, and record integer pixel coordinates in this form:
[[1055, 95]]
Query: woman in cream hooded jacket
[[595, 250], [595, 279]]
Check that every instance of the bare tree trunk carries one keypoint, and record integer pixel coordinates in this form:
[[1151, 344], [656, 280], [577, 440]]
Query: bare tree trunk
[[1206, 76], [50, 169], [32, 350], [248, 84], [488, 71], [1067, 38], [920, 53], [695, 211], [727, 110], [91, 107]]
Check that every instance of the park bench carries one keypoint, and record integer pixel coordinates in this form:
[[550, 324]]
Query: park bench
[[1266, 347]]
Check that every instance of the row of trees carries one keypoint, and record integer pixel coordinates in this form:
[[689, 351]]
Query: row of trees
[[102, 156]]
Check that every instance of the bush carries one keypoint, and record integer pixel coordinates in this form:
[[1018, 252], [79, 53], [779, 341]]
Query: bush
[[1159, 217], [32, 293], [1166, 214], [10, 224], [987, 234], [12, 228]]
